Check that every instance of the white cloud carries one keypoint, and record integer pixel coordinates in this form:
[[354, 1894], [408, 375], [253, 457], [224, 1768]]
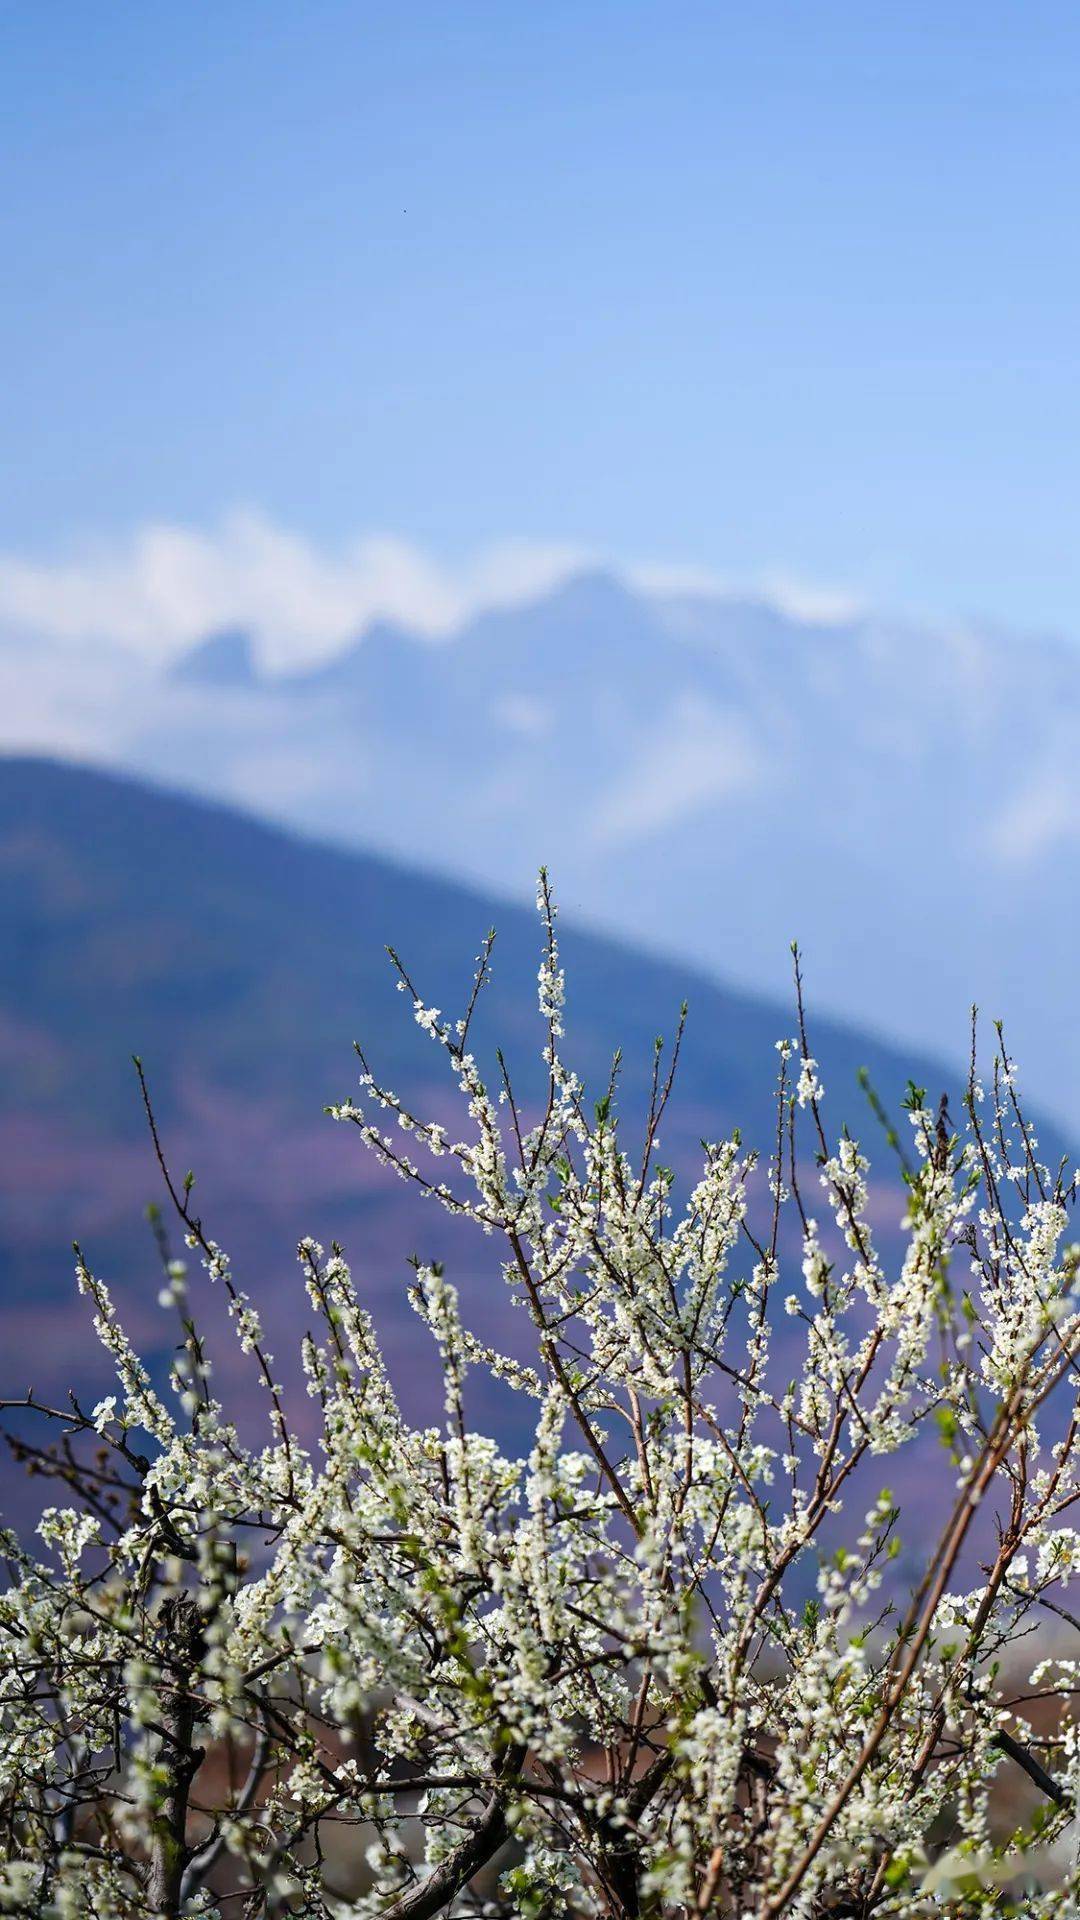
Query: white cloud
[[809, 602], [815, 605], [165, 586]]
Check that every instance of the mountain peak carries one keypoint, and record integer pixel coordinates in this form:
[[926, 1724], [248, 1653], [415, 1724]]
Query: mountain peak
[[224, 659], [591, 596]]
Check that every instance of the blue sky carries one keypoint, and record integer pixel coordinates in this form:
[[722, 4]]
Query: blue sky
[[774, 289]]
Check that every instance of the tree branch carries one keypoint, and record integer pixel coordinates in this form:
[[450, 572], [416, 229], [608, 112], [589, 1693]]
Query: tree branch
[[478, 1847]]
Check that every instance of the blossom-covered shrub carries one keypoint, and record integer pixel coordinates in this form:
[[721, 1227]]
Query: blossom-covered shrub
[[670, 1661]]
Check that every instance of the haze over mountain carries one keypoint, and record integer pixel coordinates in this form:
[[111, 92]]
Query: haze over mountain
[[707, 777], [241, 962]]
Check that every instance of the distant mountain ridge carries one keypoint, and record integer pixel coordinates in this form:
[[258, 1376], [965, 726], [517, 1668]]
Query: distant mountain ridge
[[707, 777], [240, 963], [224, 659]]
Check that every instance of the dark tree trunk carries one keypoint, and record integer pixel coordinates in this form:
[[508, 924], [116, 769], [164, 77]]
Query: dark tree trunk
[[182, 1634]]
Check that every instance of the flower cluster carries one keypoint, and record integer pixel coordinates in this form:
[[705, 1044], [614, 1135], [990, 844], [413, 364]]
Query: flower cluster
[[674, 1656]]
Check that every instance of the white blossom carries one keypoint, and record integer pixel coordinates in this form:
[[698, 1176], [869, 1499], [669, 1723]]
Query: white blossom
[[679, 1641]]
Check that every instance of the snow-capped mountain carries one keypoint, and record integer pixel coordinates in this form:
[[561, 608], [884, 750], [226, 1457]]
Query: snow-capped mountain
[[709, 777]]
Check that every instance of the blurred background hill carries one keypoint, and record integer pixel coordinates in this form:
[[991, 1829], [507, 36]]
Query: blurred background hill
[[708, 777], [240, 962]]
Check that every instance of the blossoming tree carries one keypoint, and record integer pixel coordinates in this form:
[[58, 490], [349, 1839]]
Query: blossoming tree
[[667, 1663]]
